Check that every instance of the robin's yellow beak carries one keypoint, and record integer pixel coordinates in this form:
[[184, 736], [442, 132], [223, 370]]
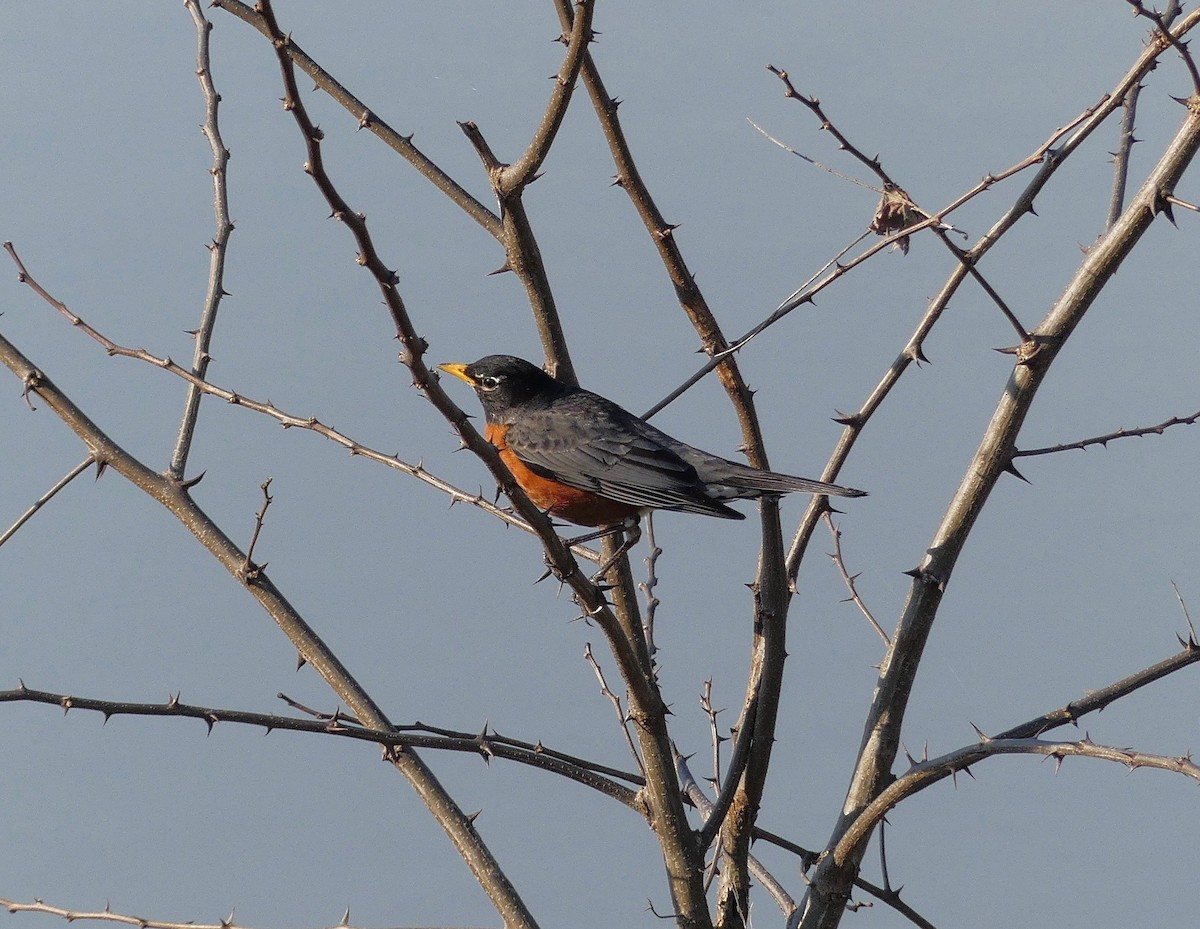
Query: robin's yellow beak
[[459, 371]]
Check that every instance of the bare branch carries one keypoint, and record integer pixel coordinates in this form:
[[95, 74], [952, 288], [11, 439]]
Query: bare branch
[[1123, 153], [1103, 440], [848, 579], [515, 176], [648, 585], [1162, 22], [287, 420], [217, 248], [929, 772], [602, 778], [622, 716], [174, 496], [46, 498], [1067, 139], [368, 119], [991, 461], [249, 568], [107, 915], [1097, 700]]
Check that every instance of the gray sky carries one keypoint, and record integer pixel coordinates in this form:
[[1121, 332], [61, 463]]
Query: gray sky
[[1065, 585]]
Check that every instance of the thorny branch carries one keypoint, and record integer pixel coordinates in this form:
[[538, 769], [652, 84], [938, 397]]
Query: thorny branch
[[896, 211], [250, 570], [607, 780], [522, 254], [492, 738], [285, 419], [367, 119], [824, 903], [142, 922], [1050, 155], [925, 773], [1097, 700], [825, 277], [667, 814], [1123, 154], [647, 587], [173, 495], [848, 579], [622, 716], [1162, 23], [217, 248], [1103, 440], [782, 898]]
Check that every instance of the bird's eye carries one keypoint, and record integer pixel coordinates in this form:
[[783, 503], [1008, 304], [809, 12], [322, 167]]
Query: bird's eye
[[489, 382]]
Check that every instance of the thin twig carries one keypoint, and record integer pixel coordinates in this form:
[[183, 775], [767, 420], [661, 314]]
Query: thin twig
[[46, 498], [107, 915], [812, 161], [1122, 155], [1103, 440], [1162, 23], [514, 177], [622, 716], [174, 495], [716, 739], [368, 119], [743, 737], [1050, 155], [1183, 203], [1192, 641], [742, 341], [929, 772], [217, 248], [285, 419], [848, 579], [250, 570], [647, 587]]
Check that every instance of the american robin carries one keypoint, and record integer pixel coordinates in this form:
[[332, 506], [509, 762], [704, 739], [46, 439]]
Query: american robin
[[584, 459]]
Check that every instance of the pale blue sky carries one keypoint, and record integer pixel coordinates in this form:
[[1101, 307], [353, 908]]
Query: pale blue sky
[[1065, 585]]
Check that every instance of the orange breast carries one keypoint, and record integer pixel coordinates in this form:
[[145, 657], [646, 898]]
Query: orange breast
[[581, 507]]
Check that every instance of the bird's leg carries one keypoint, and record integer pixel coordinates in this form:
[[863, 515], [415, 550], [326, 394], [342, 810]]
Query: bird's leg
[[601, 533], [633, 532]]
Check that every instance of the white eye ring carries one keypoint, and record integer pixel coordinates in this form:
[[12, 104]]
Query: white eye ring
[[489, 382]]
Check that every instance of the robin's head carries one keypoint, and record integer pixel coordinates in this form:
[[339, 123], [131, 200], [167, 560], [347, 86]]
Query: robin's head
[[505, 384]]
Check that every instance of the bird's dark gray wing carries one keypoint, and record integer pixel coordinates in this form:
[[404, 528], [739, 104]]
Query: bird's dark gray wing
[[592, 444]]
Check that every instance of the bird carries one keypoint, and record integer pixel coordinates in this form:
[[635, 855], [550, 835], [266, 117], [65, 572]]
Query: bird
[[580, 457]]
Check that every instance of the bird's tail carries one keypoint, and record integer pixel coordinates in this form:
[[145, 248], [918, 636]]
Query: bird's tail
[[771, 482]]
